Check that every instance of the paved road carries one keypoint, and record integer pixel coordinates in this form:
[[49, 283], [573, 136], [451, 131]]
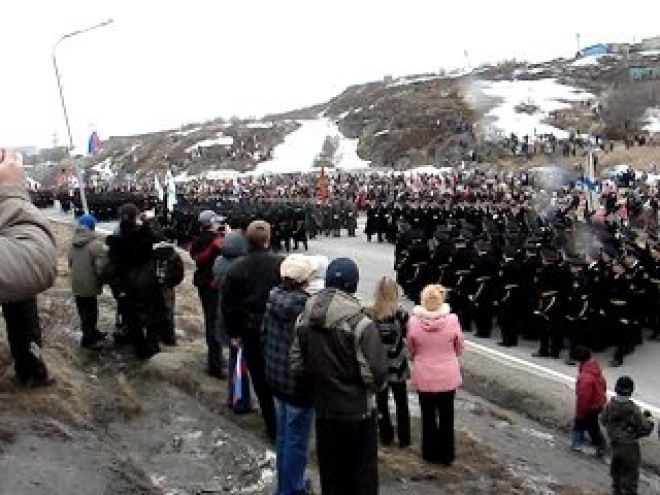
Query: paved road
[[376, 260]]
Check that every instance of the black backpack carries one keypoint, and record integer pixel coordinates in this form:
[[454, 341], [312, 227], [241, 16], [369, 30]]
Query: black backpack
[[169, 266]]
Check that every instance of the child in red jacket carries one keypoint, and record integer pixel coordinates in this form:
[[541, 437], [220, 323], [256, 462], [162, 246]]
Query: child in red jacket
[[591, 397]]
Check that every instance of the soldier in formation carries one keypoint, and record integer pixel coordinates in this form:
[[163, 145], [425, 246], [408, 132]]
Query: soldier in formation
[[530, 273]]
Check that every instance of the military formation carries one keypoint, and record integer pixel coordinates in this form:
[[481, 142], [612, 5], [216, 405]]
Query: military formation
[[541, 276], [294, 222], [512, 258]]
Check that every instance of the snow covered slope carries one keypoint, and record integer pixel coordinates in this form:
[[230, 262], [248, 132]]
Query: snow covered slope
[[543, 95], [300, 148]]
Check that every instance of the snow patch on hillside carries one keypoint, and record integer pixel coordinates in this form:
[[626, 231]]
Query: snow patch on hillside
[[301, 147], [547, 95], [588, 60]]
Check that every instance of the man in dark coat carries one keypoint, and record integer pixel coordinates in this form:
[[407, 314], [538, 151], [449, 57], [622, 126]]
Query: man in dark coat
[[245, 293], [132, 278]]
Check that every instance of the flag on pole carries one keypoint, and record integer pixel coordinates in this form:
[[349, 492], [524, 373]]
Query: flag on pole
[[171, 191], [93, 144], [159, 188]]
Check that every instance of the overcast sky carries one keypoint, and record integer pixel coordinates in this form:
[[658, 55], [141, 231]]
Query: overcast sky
[[164, 63]]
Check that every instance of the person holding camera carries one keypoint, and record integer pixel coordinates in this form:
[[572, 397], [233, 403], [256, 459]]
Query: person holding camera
[[625, 424], [29, 267]]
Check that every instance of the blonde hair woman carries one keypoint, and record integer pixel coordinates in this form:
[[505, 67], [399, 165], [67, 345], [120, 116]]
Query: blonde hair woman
[[435, 342], [391, 320]]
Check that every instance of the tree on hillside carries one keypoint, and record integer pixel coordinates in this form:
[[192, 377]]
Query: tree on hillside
[[626, 106], [326, 158]]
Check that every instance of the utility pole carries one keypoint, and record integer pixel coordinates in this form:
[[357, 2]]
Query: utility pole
[[81, 184]]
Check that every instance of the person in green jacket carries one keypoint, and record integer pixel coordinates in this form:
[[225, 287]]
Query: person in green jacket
[[87, 260], [625, 424]]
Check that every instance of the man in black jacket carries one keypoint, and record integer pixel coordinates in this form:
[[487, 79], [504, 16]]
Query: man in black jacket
[[244, 295]]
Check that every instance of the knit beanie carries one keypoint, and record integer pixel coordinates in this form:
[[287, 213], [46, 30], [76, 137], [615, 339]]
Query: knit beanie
[[87, 221], [624, 386], [343, 274]]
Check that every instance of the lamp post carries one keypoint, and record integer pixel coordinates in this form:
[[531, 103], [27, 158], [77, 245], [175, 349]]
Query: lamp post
[[81, 185]]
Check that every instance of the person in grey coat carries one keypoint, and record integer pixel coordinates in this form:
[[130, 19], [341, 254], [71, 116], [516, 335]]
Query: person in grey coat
[[234, 246]]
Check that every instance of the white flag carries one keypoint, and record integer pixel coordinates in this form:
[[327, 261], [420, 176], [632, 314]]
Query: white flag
[[159, 188], [171, 192]]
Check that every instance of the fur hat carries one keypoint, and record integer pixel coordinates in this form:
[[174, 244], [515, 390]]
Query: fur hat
[[343, 274], [297, 267]]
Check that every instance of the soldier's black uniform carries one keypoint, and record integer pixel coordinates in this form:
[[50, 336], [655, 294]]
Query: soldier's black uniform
[[619, 315], [512, 298], [553, 279], [482, 290], [300, 229]]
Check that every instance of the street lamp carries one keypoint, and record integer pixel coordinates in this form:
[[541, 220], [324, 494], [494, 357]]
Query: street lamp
[[81, 185]]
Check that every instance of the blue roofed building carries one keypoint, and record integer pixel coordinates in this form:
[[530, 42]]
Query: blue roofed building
[[593, 50]]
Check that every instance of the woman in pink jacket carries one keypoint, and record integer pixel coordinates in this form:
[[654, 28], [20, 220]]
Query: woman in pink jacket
[[435, 342]]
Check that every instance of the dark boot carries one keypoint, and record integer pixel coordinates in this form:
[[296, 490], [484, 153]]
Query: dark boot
[[24, 335]]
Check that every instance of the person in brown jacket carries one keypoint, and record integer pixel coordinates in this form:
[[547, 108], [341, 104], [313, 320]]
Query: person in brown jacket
[[29, 263]]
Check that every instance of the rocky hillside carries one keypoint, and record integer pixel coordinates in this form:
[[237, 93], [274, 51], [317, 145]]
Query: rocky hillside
[[426, 119]]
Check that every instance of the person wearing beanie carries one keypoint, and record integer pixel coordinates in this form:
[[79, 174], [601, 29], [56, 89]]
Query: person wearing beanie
[[435, 342], [293, 402], [87, 221], [625, 424], [590, 392], [87, 261], [338, 351], [245, 291]]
